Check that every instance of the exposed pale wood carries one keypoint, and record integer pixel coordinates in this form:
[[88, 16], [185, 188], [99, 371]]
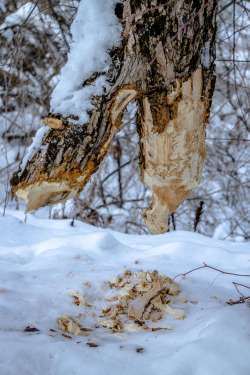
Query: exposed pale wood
[[174, 155], [53, 123], [160, 63]]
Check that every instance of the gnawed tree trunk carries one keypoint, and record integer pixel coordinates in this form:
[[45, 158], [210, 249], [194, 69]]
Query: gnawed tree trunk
[[165, 63]]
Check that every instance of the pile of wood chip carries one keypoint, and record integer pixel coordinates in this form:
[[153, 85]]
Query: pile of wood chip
[[134, 301]]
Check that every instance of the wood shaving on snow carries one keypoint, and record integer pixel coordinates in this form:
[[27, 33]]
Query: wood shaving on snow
[[134, 301]]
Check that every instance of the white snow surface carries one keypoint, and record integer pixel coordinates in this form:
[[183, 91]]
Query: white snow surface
[[42, 260], [28, 12], [95, 30], [21, 15]]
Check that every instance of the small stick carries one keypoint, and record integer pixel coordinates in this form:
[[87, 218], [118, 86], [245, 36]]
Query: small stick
[[238, 301]]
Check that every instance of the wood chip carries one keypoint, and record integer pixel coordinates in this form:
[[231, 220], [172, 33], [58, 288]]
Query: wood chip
[[175, 313], [72, 326], [140, 349], [66, 336], [31, 329], [137, 307], [92, 344], [79, 299]]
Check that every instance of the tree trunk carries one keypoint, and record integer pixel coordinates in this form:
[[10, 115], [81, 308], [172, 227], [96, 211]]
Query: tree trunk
[[166, 63]]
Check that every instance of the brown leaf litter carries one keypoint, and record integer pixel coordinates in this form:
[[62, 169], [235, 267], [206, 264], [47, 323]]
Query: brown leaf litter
[[135, 301]]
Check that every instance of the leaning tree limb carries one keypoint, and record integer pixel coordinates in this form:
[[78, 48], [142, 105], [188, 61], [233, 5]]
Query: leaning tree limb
[[166, 63]]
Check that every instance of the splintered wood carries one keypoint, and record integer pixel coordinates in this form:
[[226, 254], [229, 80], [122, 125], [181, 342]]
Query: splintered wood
[[134, 301], [73, 326], [173, 144]]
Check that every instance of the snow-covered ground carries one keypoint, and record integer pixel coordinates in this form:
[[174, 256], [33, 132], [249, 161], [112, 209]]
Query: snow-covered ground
[[42, 261]]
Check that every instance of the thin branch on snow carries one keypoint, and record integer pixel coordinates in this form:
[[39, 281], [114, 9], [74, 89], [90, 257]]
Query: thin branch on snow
[[212, 268], [242, 299], [238, 301], [236, 285]]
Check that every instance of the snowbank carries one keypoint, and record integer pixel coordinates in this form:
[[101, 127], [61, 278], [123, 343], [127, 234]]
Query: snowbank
[[42, 261]]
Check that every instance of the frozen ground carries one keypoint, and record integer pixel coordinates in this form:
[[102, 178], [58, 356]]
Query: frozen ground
[[43, 260]]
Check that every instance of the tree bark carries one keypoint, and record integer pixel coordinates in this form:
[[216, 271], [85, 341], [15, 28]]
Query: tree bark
[[166, 63]]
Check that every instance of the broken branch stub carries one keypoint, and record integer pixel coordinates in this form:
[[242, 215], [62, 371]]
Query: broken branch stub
[[166, 63]]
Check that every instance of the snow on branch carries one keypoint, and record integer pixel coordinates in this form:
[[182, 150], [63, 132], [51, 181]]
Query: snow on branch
[[34, 147], [95, 30]]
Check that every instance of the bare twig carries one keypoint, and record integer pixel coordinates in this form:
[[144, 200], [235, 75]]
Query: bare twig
[[237, 285], [242, 299], [212, 268], [198, 215]]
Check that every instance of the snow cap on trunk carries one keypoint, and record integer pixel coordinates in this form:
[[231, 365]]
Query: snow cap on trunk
[[95, 31]]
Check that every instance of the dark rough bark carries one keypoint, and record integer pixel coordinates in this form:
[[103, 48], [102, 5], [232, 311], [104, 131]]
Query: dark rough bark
[[166, 63]]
